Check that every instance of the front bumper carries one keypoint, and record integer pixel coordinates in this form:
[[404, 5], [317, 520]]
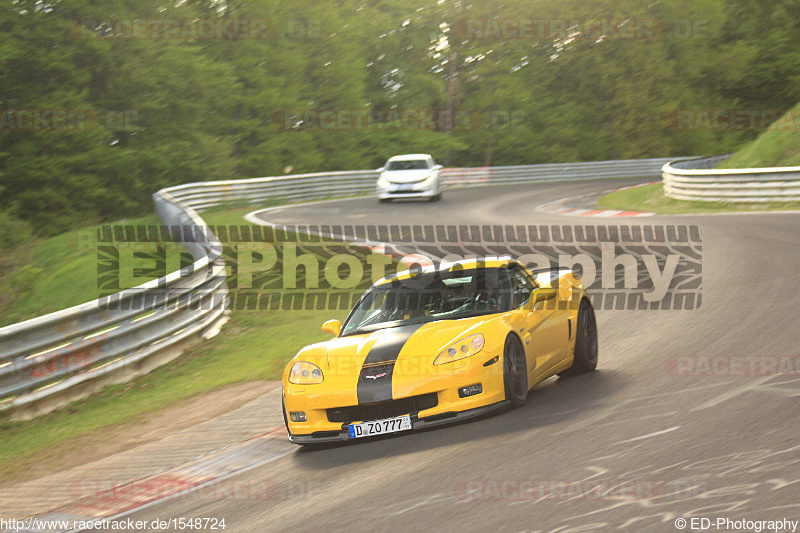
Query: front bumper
[[451, 417], [442, 381], [406, 190]]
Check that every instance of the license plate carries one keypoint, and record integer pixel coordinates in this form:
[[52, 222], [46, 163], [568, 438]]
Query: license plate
[[380, 427], [402, 188]]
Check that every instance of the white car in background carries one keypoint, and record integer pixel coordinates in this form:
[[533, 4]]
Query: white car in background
[[409, 176]]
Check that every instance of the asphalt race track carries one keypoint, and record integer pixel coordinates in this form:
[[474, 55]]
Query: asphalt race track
[[631, 447]]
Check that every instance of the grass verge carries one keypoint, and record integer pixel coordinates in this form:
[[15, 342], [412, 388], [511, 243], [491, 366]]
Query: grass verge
[[651, 198], [49, 274], [778, 146]]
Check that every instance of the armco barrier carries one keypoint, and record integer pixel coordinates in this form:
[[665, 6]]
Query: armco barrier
[[53, 359], [696, 179], [302, 187], [48, 361]]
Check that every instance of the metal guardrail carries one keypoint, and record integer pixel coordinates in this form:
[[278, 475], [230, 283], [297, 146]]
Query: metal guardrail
[[51, 360], [48, 361], [696, 179], [300, 187]]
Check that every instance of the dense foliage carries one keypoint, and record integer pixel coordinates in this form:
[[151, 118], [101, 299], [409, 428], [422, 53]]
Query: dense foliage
[[158, 106]]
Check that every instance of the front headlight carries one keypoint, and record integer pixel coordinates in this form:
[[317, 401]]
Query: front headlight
[[304, 373], [429, 179], [383, 182], [459, 350]]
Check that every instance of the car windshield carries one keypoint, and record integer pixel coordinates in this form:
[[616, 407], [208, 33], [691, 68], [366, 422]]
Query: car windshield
[[441, 295], [416, 164]]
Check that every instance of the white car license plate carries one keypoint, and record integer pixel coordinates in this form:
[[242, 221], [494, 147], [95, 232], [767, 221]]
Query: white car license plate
[[403, 188], [380, 427]]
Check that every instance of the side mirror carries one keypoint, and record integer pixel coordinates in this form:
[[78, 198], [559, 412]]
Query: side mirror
[[380, 170], [332, 326], [540, 295], [438, 167]]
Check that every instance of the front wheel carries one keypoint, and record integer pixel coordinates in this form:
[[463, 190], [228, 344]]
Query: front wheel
[[285, 420], [585, 342], [515, 372]]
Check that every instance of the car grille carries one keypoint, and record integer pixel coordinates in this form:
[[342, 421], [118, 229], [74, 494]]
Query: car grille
[[376, 411], [407, 182]]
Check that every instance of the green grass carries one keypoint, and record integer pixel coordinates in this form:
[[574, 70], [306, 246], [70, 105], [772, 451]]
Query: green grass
[[254, 345], [651, 198], [50, 274], [778, 146]]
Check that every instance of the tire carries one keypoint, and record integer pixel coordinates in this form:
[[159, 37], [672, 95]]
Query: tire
[[436, 197], [515, 372], [384, 200], [285, 420], [585, 341]]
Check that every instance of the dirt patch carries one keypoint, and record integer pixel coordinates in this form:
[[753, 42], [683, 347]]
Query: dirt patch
[[148, 428]]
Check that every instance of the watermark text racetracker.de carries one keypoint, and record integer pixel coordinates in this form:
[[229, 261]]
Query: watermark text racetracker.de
[[539, 29], [194, 29], [66, 120], [697, 523], [629, 267], [122, 524], [744, 366], [732, 119], [396, 119], [110, 493], [560, 489]]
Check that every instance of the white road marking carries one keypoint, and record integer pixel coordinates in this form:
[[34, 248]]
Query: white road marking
[[655, 434]]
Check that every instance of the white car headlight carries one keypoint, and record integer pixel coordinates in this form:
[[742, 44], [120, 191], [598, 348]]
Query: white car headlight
[[383, 182], [429, 178], [461, 349]]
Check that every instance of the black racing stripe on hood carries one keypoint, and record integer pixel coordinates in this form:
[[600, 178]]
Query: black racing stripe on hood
[[380, 360]]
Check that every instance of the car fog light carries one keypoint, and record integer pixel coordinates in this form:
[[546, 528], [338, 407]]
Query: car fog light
[[470, 390], [298, 416]]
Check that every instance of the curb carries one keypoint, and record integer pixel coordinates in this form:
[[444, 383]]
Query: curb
[[185, 480], [569, 206]]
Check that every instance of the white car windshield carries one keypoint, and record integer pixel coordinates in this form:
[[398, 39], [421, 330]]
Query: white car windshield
[[415, 164]]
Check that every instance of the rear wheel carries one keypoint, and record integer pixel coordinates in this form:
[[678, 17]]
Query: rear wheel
[[585, 342], [515, 372]]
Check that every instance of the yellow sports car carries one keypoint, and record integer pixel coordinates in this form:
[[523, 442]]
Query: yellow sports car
[[438, 345]]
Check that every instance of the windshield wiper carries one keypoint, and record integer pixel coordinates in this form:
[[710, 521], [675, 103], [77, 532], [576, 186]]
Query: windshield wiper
[[474, 313]]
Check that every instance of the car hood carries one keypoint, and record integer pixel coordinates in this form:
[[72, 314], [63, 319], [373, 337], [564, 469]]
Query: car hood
[[407, 176], [348, 355]]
